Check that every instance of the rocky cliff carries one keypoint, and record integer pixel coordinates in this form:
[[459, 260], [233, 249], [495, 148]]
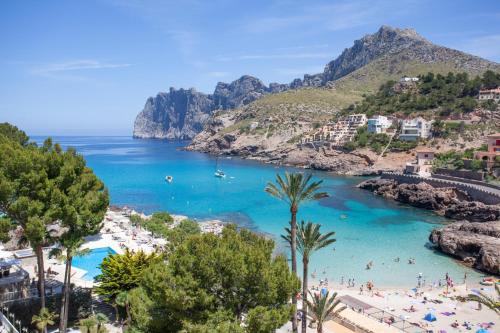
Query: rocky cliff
[[181, 114], [476, 244]]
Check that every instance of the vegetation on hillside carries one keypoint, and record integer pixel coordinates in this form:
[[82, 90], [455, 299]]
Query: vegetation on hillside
[[442, 95]]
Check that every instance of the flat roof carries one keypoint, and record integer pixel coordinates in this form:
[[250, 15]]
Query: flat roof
[[496, 135]]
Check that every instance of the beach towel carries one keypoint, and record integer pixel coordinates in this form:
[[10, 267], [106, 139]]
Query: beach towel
[[448, 313]]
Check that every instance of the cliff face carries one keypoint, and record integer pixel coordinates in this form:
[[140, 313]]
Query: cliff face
[[178, 114], [181, 114]]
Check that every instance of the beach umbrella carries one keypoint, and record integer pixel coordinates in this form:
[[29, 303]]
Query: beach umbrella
[[430, 317], [482, 330]]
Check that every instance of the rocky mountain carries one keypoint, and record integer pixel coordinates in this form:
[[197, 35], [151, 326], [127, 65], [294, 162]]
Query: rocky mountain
[[373, 59]]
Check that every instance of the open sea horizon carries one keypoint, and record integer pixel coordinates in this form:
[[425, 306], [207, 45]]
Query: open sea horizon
[[368, 228]]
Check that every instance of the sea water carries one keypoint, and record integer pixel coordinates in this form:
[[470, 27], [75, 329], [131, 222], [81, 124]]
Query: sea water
[[368, 228]]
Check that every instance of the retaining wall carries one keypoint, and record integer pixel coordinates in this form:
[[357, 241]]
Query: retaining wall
[[487, 196], [466, 174]]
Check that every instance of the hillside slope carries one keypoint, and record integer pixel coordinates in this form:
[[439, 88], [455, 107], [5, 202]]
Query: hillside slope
[[387, 54], [269, 128]]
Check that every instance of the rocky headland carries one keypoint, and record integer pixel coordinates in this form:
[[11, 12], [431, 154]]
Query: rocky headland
[[474, 239]]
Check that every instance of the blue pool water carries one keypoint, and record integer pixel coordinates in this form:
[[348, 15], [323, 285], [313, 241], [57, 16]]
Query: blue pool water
[[375, 229], [91, 261]]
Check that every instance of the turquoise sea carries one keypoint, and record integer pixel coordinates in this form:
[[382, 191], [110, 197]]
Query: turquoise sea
[[373, 229]]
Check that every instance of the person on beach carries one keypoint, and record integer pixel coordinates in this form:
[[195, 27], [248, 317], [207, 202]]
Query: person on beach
[[342, 280], [361, 290], [349, 283]]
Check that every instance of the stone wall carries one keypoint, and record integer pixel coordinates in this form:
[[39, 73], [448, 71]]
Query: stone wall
[[467, 174], [489, 197]]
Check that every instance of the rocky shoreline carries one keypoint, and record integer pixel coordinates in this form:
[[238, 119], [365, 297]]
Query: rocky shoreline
[[474, 238], [336, 161]]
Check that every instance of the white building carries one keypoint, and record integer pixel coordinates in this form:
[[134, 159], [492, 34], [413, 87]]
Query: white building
[[337, 133], [414, 129], [423, 164], [379, 124], [486, 94], [406, 79]]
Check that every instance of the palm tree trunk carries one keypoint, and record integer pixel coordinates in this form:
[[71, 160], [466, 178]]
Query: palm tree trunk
[[41, 274], [63, 323], [320, 327], [293, 227], [305, 263]]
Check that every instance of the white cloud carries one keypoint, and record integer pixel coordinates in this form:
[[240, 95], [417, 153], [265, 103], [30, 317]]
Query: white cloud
[[334, 17], [186, 40], [70, 69], [219, 74], [276, 56]]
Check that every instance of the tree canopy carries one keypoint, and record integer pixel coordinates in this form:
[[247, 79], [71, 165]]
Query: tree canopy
[[121, 272], [208, 276], [451, 93]]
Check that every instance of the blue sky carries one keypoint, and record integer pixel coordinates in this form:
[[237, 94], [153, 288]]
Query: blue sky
[[87, 67]]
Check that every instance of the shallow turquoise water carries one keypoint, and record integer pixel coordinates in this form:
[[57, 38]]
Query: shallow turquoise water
[[375, 229], [91, 261]]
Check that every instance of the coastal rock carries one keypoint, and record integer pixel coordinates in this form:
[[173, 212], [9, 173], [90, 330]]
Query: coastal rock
[[473, 211], [477, 244], [420, 195], [448, 201]]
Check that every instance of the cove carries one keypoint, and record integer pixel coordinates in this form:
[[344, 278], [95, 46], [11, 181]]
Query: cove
[[368, 228]]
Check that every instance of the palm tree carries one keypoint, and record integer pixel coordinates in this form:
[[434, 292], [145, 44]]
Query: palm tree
[[295, 189], [122, 299], [101, 321], [66, 255], [43, 319], [324, 307], [309, 240], [488, 301], [88, 325]]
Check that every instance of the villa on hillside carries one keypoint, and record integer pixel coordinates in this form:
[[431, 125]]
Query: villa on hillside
[[337, 133], [489, 94], [414, 129], [489, 157], [379, 124]]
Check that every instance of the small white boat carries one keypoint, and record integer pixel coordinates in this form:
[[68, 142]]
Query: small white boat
[[220, 174], [169, 179]]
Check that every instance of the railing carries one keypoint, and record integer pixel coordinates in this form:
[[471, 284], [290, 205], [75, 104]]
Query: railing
[[9, 322], [380, 315], [465, 180]]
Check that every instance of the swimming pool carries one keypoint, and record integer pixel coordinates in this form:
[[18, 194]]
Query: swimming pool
[[91, 261]]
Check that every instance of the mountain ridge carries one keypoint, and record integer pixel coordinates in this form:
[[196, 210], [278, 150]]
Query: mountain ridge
[[182, 113]]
